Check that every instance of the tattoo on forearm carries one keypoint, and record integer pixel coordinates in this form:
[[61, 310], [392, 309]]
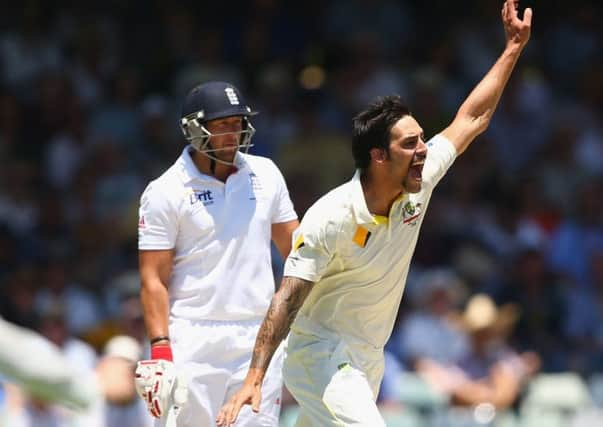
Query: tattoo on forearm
[[281, 313]]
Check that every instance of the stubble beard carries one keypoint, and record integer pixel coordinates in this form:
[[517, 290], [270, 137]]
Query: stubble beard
[[411, 187]]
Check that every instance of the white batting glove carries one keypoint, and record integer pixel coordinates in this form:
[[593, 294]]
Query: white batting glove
[[154, 380]]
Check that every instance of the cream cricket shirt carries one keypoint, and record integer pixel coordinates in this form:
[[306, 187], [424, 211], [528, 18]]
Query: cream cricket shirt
[[359, 262], [220, 233]]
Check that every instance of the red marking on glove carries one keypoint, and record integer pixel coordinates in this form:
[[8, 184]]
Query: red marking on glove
[[162, 351], [156, 408]]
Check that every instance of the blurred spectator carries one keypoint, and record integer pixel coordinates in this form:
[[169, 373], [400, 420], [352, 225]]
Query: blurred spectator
[[63, 299], [115, 373], [27, 52], [118, 119], [121, 297], [318, 149], [51, 237], [523, 115], [65, 151], [584, 323], [579, 236], [10, 252], [539, 294], [17, 304], [53, 326], [11, 128], [18, 199], [492, 372], [427, 333], [160, 139]]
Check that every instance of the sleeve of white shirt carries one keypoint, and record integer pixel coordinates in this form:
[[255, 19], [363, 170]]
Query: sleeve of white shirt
[[440, 156], [313, 247], [283, 210], [158, 221], [41, 368]]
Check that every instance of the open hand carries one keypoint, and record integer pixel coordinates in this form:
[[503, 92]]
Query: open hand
[[517, 31], [249, 394]]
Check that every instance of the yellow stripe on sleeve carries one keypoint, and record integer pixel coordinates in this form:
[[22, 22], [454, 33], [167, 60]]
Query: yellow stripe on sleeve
[[299, 242]]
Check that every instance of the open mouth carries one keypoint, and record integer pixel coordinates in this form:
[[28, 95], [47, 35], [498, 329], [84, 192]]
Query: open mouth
[[416, 171]]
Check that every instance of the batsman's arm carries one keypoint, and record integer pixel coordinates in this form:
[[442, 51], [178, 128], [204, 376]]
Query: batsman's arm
[[284, 307], [475, 113], [281, 236], [155, 268]]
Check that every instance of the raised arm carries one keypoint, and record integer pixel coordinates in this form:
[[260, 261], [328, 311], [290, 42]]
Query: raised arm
[[475, 113], [283, 309]]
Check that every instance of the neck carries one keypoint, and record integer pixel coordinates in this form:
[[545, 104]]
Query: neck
[[203, 163], [379, 192]]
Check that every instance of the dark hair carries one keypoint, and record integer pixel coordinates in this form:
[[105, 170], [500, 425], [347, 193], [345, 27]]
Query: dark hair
[[371, 127]]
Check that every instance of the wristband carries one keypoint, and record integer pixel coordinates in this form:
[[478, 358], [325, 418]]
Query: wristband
[[159, 338], [162, 351]]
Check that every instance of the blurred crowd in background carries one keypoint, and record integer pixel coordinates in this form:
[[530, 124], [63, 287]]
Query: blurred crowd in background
[[506, 286]]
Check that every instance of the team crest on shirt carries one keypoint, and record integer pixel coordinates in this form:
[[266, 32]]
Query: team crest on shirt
[[411, 212], [256, 185]]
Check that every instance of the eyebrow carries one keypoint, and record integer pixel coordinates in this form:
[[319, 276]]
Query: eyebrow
[[413, 136], [229, 120]]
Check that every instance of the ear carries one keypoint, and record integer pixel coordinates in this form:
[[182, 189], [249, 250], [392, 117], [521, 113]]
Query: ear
[[378, 154]]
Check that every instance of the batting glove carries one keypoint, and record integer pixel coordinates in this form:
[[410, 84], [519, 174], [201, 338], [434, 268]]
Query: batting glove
[[154, 381]]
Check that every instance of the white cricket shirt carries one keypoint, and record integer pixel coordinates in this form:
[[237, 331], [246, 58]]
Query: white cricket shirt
[[358, 261], [220, 233]]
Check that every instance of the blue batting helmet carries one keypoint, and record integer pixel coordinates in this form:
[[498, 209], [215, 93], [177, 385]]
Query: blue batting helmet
[[210, 101]]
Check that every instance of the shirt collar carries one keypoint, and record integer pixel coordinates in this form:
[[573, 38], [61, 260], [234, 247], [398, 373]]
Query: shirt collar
[[190, 172], [361, 212]]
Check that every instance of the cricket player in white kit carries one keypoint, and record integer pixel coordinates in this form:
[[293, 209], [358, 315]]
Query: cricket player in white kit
[[205, 230], [345, 276]]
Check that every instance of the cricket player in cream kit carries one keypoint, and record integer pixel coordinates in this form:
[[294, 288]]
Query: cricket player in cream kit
[[345, 276], [205, 230]]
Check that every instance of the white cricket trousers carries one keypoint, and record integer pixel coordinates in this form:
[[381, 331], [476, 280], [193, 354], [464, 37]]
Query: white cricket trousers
[[215, 356], [334, 379]]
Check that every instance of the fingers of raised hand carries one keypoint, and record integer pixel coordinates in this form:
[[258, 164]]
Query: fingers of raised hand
[[510, 15], [527, 17]]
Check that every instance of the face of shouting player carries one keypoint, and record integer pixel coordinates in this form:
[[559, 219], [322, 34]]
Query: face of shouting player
[[407, 153], [226, 136]]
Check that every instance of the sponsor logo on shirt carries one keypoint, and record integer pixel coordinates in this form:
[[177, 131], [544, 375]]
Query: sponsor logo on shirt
[[204, 196]]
